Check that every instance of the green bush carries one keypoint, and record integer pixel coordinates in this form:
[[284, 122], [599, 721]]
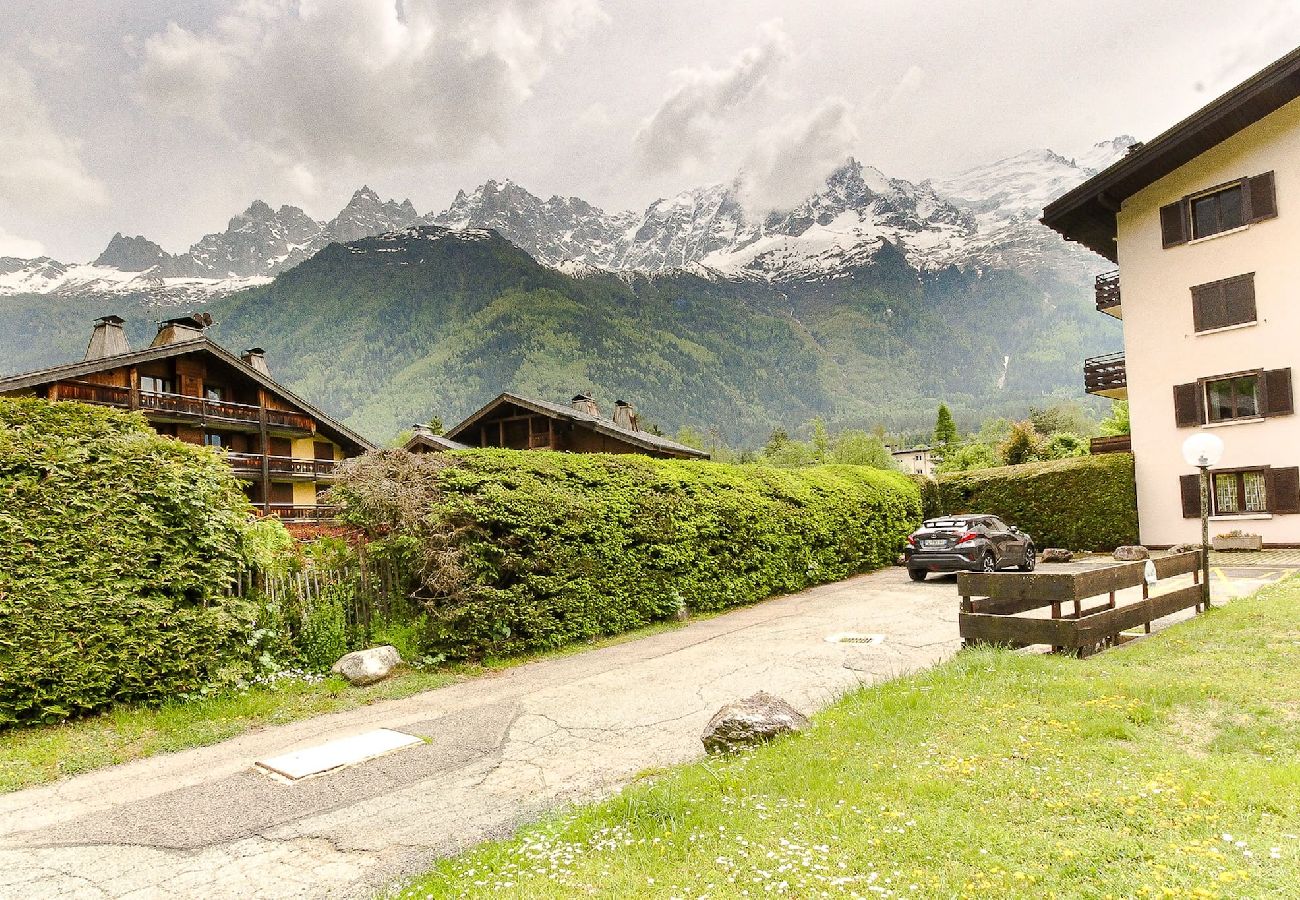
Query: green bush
[[527, 550], [1082, 503], [116, 546]]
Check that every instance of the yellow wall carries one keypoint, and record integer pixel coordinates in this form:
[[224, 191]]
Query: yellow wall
[[304, 448], [1162, 348], [304, 493]]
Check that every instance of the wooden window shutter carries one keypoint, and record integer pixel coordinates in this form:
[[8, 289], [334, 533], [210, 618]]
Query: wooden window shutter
[[1207, 306], [1283, 488], [1190, 488], [1277, 392], [1239, 300], [1261, 197], [1173, 224], [1189, 405]]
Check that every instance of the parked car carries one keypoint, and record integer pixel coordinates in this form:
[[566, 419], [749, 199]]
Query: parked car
[[968, 543]]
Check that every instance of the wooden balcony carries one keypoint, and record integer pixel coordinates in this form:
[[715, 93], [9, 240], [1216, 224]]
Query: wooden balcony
[[1106, 376], [251, 464], [290, 512], [1108, 294], [1118, 443], [183, 407]]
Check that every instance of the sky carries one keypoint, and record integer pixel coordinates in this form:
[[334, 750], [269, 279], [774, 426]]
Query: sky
[[167, 118]]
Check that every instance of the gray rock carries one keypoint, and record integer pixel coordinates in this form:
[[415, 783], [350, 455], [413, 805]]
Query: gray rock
[[1055, 554], [362, 667], [1132, 553], [1185, 548], [751, 721]]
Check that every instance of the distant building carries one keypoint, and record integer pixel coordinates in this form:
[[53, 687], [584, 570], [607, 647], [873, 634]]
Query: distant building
[[1203, 222], [191, 389], [524, 423], [917, 460], [424, 440]]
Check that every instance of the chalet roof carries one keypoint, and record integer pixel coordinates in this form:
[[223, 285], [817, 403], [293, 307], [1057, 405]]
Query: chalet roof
[[599, 424], [183, 348], [1087, 213], [433, 441]]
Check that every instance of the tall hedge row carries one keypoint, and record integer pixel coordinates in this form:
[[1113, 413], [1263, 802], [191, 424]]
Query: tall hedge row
[[1081, 503], [115, 544], [526, 550]]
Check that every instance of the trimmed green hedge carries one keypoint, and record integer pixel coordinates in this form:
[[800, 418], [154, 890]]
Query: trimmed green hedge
[[1082, 503], [115, 544], [528, 550]]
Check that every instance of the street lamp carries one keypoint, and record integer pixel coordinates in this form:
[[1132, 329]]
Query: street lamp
[[1203, 450]]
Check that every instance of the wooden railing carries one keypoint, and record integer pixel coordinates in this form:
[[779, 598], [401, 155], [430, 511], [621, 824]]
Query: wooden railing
[[1116, 443], [183, 404], [993, 605], [292, 512], [283, 418], [280, 465], [89, 392], [199, 406], [1105, 373], [1107, 291]]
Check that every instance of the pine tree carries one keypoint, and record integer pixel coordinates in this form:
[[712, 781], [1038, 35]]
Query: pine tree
[[945, 429]]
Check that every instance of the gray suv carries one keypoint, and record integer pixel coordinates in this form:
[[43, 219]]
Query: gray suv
[[967, 543]]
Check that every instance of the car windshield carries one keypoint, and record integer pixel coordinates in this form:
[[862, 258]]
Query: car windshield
[[948, 523]]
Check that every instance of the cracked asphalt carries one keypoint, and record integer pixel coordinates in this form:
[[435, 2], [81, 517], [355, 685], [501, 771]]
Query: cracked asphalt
[[501, 751]]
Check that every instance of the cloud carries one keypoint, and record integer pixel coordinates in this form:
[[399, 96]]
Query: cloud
[[12, 245], [689, 124], [792, 161], [334, 82], [40, 169]]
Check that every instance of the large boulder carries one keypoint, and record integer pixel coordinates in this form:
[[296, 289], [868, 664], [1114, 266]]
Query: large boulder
[[363, 667], [751, 721], [1132, 553], [1055, 554]]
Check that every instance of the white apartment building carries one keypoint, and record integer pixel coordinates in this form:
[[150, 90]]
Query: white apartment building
[[1204, 224]]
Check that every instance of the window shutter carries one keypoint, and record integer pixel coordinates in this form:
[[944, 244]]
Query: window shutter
[[1189, 405], [1238, 300], [1173, 224], [1283, 487], [1190, 487], [1207, 306], [1261, 197], [1277, 392]]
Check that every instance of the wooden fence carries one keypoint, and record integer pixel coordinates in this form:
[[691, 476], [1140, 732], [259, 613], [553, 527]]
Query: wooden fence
[[993, 606]]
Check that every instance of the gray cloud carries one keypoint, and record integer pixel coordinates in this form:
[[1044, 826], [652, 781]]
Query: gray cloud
[[792, 161], [335, 82], [42, 168], [690, 123]]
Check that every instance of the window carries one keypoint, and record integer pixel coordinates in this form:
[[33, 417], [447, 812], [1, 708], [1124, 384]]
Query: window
[[1232, 398], [156, 384], [1238, 493], [214, 440], [1216, 212], [213, 392], [1220, 304]]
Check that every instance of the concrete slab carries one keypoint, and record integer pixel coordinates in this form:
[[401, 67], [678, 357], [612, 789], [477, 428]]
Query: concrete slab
[[334, 755]]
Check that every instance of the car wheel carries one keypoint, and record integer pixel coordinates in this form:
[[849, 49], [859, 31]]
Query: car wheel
[[916, 574], [1031, 559], [988, 563]]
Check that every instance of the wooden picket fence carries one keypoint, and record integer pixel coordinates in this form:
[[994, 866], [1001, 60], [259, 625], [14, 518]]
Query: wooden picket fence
[[998, 608]]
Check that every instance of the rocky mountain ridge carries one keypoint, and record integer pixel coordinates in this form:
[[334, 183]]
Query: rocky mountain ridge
[[983, 218]]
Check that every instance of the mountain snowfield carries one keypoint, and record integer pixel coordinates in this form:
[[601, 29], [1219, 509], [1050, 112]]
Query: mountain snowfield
[[982, 219]]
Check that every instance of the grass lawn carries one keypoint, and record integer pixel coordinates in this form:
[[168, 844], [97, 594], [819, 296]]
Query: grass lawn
[[32, 756], [1166, 768]]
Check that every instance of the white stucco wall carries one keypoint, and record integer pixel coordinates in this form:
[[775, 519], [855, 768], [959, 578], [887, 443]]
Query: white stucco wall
[[1162, 348]]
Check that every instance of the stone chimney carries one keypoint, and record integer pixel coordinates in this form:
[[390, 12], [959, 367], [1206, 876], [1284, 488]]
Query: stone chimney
[[625, 416], [108, 338], [182, 328], [255, 358], [584, 404]]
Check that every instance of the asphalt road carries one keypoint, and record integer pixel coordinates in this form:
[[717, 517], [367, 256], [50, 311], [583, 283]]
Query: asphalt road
[[501, 750]]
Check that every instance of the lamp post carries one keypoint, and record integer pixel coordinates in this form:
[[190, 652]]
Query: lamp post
[[1203, 450]]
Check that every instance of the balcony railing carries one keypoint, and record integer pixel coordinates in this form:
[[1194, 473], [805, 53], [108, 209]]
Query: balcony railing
[[280, 465], [1118, 443], [1108, 292], [183, 405], [291, 512], [1106, 376]]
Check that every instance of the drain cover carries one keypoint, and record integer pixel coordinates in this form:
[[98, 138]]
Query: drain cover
[[854, 637], [336, 754]]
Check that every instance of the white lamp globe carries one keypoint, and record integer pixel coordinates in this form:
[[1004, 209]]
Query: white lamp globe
[[1203, 449]]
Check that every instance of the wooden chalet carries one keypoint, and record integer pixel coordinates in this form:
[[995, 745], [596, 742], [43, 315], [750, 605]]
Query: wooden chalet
[[423, 440], [190, 388], [523, 423]]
